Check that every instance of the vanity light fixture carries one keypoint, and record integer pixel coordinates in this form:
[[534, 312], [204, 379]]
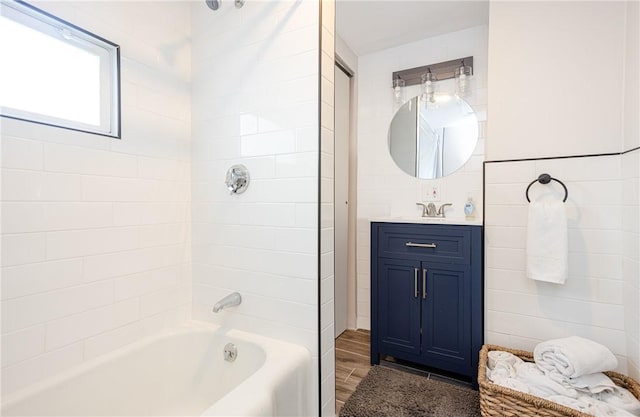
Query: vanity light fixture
[[459, 70], [428, 87], [398, 90], [462, 75]]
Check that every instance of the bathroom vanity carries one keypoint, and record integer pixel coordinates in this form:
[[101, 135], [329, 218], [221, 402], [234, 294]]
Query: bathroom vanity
[[426, 294]]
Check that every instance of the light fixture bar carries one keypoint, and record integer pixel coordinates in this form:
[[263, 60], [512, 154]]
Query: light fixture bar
[[441, 70]]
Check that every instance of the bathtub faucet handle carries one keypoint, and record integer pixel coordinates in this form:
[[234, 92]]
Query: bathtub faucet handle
[[230, 300]]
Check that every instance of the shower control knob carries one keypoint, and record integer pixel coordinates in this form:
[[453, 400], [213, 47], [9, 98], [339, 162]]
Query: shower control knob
[[237, 179]]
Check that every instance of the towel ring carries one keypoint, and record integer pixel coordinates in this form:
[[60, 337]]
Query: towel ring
[[546, 179]]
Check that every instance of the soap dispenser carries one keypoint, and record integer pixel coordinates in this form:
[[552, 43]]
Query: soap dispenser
[[469, 209]]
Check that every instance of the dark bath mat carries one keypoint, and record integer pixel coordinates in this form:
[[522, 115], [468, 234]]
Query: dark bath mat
[[387, 392]]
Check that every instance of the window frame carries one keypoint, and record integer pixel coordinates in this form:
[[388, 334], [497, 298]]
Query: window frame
[[110, 80]]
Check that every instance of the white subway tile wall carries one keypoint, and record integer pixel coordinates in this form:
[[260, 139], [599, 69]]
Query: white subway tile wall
[[631, 187], [522, 312], [255, 95], [95, 231], [383, 189], [631, 257]]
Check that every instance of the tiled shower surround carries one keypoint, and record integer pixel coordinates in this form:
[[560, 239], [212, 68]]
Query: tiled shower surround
[[255, 101], [98, 234], [95, 231]]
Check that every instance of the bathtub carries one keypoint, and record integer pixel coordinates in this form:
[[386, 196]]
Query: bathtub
[[181, 372]]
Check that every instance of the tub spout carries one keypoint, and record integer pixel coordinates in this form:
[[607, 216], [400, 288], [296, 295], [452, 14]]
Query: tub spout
[[230, 300]]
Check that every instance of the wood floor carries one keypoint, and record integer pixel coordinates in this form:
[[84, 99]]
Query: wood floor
[[352, 363]]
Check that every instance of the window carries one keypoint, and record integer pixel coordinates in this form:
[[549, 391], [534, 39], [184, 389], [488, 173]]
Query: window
[[55, 73]]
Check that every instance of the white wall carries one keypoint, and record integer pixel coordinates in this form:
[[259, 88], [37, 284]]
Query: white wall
[[540, 105], [255, 95], [632, 77], [95, 229], [631, 188], [383, 189], [555, 71]]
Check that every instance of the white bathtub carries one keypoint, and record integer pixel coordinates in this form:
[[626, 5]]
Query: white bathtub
[[181, 372]]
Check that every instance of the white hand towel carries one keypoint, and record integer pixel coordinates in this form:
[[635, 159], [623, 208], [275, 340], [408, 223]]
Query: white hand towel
[[574, 356], [547, 242]]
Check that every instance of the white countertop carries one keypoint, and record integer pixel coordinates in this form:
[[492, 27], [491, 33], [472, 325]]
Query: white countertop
[[428, 220]]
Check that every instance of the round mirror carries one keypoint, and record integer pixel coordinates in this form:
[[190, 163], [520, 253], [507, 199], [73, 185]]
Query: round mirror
[[432, 140]]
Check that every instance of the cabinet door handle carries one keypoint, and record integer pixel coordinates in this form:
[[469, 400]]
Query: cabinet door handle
[[415, 283], [420, 245], [424, 283]]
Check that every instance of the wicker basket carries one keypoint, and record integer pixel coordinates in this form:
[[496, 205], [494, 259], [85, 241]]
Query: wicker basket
[[498, 401]]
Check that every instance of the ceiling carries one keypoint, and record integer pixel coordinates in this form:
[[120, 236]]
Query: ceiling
[[372, 25]]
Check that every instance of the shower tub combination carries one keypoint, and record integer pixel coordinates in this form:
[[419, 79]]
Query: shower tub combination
[[181, 372]]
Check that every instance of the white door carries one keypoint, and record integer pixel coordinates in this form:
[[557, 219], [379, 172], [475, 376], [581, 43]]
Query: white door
[[341, 197]]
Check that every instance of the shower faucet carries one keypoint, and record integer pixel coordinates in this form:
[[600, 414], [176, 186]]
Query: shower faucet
[[230, 300]]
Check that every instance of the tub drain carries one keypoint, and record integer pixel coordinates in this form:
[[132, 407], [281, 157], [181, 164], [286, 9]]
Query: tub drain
[[230, 352]]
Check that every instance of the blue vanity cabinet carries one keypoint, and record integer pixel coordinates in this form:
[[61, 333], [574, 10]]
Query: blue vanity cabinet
[[426, 295], [446, 318], [399, 318]]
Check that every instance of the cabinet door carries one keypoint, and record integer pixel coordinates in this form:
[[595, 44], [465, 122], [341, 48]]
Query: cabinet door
[[398, 306], [446, 321]]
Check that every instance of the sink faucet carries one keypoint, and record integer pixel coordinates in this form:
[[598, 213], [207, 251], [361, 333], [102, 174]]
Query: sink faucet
[[429, 210], [440, 212], [230, 300]]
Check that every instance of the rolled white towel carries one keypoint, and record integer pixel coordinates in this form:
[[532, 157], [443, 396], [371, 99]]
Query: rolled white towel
[[513, 383], [498, 356], [590, 406], [540, 384], [574, 356], [620, 398]]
